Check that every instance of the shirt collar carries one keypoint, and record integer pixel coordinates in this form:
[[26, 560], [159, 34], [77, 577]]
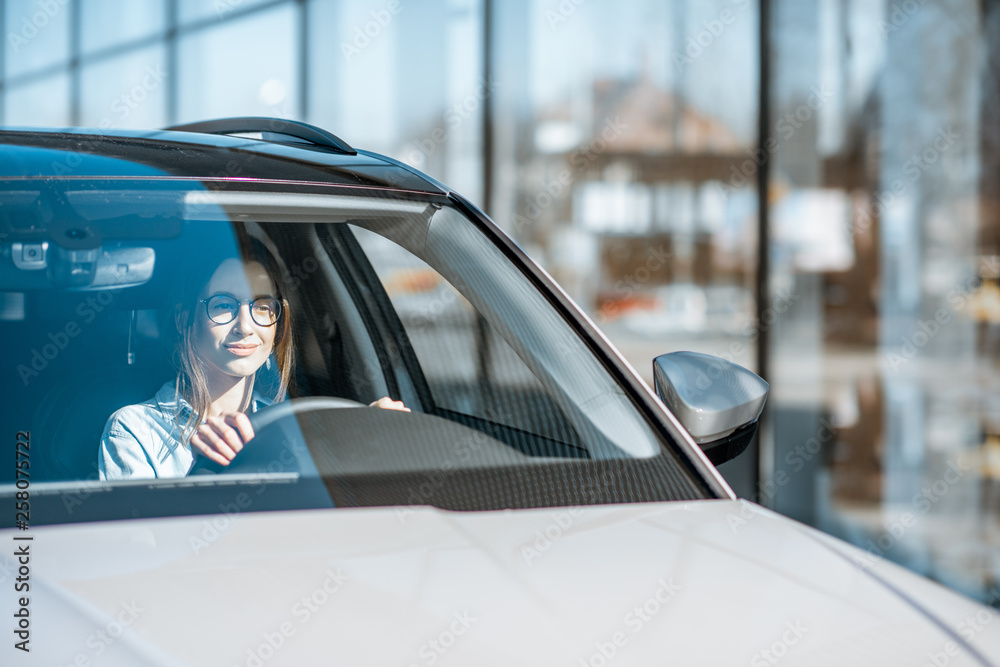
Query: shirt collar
[[171, 403]]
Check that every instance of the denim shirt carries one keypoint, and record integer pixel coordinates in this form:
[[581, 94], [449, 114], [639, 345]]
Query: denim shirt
[[144, 441]]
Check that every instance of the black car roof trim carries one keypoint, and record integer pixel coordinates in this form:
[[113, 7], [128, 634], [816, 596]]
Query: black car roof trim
[[269, 126]]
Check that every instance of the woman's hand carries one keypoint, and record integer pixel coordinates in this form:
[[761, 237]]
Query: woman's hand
[[387, 403], [222, 437]]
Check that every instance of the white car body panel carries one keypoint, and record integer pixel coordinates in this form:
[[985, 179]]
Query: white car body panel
[[688, 583]]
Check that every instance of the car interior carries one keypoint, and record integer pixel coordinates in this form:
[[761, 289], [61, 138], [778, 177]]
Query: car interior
[[89, 328]]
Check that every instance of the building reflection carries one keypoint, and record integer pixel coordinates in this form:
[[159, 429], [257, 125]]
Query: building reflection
[[621, 150], [884, 294]]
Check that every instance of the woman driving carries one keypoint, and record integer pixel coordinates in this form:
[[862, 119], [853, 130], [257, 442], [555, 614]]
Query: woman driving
[[228, 330]]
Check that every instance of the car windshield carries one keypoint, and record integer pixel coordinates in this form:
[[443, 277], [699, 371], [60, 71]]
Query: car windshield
[[366, 294]]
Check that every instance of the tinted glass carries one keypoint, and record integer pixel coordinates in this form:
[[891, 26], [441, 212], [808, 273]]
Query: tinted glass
[[107, 291]]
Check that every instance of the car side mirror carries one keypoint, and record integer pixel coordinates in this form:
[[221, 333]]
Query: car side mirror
[[717, 401]]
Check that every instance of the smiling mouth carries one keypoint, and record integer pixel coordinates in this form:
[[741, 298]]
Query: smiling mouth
[[242, 350]]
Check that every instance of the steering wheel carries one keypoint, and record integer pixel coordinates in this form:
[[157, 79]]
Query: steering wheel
[[260, 449]]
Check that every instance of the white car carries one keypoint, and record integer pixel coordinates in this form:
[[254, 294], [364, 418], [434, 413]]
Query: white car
[[524, 498]]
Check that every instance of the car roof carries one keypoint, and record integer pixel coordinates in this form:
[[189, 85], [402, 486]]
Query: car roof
[[92, 153]]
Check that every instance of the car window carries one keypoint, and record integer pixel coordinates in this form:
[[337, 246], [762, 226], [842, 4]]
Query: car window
[[469, 368], [382, 296]]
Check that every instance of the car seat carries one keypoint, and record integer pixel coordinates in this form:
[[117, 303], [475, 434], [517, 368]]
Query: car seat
[[94, 381]]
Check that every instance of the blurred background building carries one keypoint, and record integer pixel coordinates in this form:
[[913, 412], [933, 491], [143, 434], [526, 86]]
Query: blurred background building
[[807, 187]]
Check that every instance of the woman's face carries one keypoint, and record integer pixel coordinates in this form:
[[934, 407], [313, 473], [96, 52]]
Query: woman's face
[[242, 346]]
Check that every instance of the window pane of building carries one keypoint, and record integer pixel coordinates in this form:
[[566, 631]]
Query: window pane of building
[[108, 23], [246, 67], [618, 157], [37, 35], [42, 102], [624, 157], [126, 91], [886, 262], [406, 83], [189, 11]]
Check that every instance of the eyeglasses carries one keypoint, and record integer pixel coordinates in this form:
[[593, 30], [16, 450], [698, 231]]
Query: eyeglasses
[[223, 309]]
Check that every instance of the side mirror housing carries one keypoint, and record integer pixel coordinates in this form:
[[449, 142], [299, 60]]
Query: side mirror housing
[[717, 401]]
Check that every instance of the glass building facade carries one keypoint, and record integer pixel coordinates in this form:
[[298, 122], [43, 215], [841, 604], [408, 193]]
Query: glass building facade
[[809, 188]]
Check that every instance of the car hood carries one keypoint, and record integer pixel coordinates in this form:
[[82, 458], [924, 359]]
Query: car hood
[[696, 583]]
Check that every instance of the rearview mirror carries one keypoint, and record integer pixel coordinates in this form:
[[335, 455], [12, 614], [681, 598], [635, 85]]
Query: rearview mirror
[[717, 401]]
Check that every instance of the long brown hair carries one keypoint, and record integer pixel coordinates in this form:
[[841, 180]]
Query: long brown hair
[[192, 383]]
